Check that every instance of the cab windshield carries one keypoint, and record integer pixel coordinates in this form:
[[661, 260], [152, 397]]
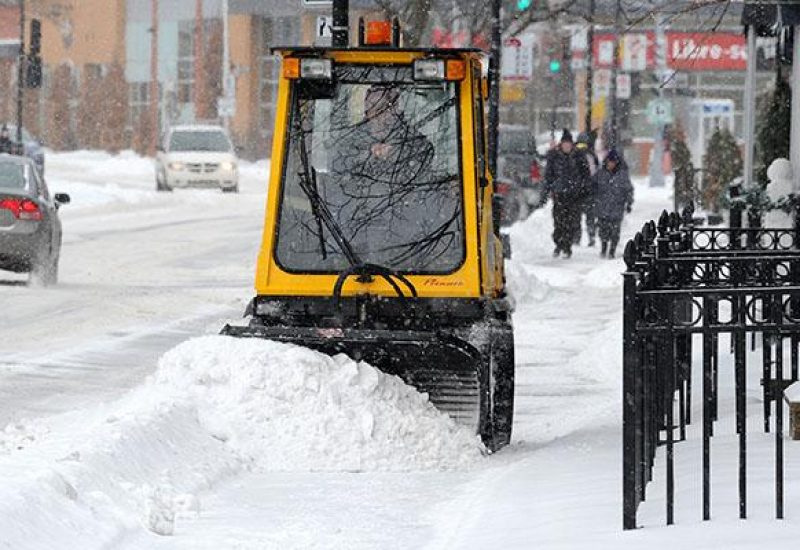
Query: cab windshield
[[376, 158]]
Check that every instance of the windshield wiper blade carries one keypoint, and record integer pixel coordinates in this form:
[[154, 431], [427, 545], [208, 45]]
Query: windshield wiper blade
[[322, 214]]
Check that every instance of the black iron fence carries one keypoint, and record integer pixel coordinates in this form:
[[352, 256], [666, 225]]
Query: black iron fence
[[685, 286]]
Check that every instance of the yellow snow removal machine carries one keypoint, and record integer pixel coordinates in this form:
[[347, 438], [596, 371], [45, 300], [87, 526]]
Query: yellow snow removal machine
[[381, 240]]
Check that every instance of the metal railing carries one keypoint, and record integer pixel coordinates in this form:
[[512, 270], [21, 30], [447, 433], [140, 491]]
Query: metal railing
[[685, 284]]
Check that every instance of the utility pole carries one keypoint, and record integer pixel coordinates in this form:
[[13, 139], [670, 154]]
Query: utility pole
[[656, 171], [153, 77], [341, 23], [614, 141], [589, 68], [494, 86], [228, 88], [199, 69], [21, 73]]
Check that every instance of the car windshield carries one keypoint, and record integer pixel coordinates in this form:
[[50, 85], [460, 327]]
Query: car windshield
[[12, 176], [380, 153], [199, 140]]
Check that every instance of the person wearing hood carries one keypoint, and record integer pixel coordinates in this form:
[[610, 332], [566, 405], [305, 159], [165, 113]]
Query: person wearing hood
[[613, 194], [585, 145], [566, 181]]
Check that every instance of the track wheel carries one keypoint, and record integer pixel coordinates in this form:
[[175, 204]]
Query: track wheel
[[499, 410]]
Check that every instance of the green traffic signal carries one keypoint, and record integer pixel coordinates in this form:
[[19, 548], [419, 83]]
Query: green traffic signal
[[555, 65], [524, 4]]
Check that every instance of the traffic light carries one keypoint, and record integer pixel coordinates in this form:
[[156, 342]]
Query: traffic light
[[555, 66], [33, 78], [523, 5]]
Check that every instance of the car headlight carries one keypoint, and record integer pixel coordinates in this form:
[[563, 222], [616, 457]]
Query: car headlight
[[177, 166], [228, 166]]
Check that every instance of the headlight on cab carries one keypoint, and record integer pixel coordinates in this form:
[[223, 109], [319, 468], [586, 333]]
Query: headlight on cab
[[176, 166], [228, 166]]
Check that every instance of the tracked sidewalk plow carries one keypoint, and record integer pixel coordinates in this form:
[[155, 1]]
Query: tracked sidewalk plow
[[381, 237]]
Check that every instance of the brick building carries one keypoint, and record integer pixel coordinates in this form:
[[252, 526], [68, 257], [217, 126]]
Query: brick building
[[97, 66]]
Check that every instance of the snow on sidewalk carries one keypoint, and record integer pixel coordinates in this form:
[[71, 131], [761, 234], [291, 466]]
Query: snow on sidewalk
[[216, 406]]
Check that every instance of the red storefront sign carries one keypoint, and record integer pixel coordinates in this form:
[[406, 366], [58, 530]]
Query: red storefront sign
[[688, 51]]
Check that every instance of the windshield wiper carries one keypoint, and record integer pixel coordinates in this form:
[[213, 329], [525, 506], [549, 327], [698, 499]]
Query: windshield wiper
[[322, 214]]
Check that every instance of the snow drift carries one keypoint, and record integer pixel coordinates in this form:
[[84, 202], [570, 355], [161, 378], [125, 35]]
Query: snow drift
[[284, 407], [215, 406]]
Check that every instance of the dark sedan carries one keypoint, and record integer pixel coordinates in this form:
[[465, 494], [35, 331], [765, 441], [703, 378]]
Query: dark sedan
[[30, 231]]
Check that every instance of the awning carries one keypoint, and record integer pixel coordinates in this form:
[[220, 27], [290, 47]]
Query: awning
[[769, 17]]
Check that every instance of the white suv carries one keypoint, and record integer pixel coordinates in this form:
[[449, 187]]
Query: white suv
[[197, 156]]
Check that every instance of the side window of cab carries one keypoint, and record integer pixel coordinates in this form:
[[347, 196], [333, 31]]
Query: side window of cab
[[480, 122]]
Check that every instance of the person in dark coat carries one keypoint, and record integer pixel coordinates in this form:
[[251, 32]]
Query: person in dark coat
[[566, 182], [585, 145], [613, 194]]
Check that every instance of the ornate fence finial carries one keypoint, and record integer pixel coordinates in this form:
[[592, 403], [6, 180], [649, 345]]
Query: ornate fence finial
[[629, 255], [663, 223], [688, 214], [648, 236], [674, 221], [638, 242]]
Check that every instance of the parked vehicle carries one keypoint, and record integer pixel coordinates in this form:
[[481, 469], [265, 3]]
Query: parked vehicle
[[197, 156], [518, 165], [30, 230], [33, 148], [510, 201]]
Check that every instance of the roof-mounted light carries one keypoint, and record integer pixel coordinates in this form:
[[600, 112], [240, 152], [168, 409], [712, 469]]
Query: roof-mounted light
[[378, 33], [429, 69], [317, 69], [439, 69], [309, 68]]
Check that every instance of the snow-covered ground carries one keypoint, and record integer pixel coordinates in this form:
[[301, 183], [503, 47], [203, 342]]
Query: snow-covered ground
[[128, 424]]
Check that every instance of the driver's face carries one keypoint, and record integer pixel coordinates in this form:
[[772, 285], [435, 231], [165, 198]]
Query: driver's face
[[379, 102]]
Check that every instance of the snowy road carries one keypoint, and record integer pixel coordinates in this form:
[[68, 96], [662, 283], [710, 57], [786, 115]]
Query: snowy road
[[141, 272]]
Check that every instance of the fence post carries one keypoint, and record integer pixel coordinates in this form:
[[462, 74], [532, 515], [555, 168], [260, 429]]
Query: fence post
[[630, 404], [735, 222]]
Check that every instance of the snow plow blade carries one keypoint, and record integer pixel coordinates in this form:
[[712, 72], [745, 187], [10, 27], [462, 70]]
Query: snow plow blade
[[443, 366]]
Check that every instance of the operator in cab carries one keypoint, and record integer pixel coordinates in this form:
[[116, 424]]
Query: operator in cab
[[386, 148]]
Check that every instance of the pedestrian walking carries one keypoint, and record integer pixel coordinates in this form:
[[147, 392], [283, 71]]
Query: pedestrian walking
[[566, 182], [613, 193], [585, 144]]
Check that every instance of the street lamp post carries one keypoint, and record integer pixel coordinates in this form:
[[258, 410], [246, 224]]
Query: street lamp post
[[20, 71], [494, 86]]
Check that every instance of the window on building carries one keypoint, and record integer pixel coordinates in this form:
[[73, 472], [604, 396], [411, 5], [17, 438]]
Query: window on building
[[185, 85], [139, 101]]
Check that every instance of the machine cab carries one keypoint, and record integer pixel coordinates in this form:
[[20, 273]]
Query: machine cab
[[379, 167]]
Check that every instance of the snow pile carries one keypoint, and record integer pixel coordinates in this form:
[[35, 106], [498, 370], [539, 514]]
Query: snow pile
[[137, 463], [17, 436], [286, 408], [215, 406], [532, 237]]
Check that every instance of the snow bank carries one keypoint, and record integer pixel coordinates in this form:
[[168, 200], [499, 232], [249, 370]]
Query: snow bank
[[97, 178], [215, 406], [285, 408]]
